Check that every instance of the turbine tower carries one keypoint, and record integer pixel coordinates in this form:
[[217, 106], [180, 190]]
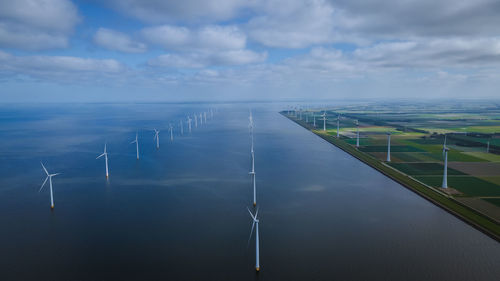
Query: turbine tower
[[201, 119], [105, 154], [252, 174], [171, 129], [314, 120], [324, 120], [157, 138], [182, 128], [488, 147], [388, 146], [189, 124], [205, 116], [49, 177], [136, 141], [256, 225], [338, 125], [357, 133], [445, 173], [195, 121]]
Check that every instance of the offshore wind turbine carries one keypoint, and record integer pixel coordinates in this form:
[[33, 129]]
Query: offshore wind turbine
[[189, 124], [205, 116], [256, 225], [171, 129], [357, 133], [136, 141], [195, 121], [388, 146], [201, 119], [105, 154], [157, 138], [49, 177], [182, 127]]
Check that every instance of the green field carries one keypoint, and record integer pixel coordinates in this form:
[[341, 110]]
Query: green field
[[417, 139], [419, 169]]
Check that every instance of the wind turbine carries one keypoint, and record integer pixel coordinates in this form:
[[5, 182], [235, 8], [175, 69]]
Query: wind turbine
[[338, 125], [157, 138], [314, 120], [182, 128], [445, 173], [189, 124], [136, 141], [444, 144], [388, 146], [488, 147], [256, 225], [49, 177], [357, 133], [252, 173], [171, 129], [205, 116], [105, 154], [201, 119], [324, 120], [195, 121]]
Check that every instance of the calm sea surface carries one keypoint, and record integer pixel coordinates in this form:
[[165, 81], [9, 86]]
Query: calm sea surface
[[179, 213]]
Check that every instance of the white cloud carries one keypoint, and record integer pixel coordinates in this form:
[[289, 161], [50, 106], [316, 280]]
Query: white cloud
[[205, 38], [436, 53], [62, 69], [36, 25], [160, 11], [206, 59], [114, 40], [293, 24]]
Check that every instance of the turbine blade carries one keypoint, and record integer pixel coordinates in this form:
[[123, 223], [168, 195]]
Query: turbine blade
[[253, 217], [100, 156], [44, 169], [43, 183], [251, 232], [256, 212], [53, 175]]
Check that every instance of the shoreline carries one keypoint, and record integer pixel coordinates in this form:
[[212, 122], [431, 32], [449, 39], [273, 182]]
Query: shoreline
[[472, 217]]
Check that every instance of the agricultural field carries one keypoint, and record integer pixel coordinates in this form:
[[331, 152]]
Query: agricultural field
[[418, 133]]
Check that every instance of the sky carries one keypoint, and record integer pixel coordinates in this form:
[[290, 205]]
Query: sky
[[248, 50]]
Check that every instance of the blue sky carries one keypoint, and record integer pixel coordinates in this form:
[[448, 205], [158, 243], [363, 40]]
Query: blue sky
[[153, 50]]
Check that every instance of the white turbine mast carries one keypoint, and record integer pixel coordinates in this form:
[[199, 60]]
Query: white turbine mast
[[105, 154], [255, 224], [49, 177], [195, 121], [182, 128], [338, 126], [157, 138], [189, 123], [324, 120], [357, 133], [136, 141], [171, 129], [388, 146], [445, 172]]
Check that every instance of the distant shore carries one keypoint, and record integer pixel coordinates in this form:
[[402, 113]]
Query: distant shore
[[463, 212]]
